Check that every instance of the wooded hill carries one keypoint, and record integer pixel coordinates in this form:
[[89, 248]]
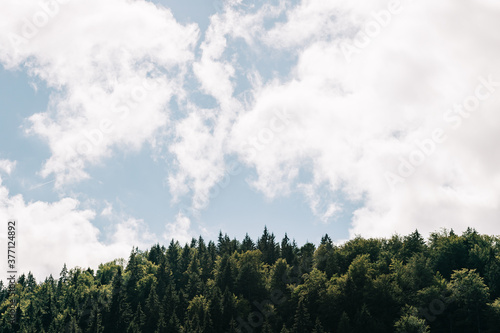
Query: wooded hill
[[447, 283]]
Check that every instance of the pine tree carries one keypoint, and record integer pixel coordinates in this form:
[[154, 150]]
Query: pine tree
[[164, 279], [156, 254], [266, 328], [344, 325], [31, 282], [363, 320], [247, 244], [269, 248], [233, 327], [16, 325], [205, 260], [48, 313], [174, 325], [96, 321], [306, 258], [152, 310], [284, 329], [288, 251], [302, 321], [318, 328], [193, 277], [413, 243], [225, 245], [135, 274], [162, 325], [217, 311], [229, 305], [137, 324], [119, 314], [224, 273], [173, 256], [170, 301], [73, 326], [184, 261]]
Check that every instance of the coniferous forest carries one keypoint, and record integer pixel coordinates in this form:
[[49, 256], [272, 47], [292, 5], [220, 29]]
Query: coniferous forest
[[445, 283]]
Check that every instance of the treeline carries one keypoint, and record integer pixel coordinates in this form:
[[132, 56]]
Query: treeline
[[447, 283]]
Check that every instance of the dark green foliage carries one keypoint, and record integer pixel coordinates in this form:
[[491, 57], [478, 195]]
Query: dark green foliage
[[318, 328], [289, 251], [302, 320], [344, 324], [247, 244], [269, 248], [411, 323], [450, 283]]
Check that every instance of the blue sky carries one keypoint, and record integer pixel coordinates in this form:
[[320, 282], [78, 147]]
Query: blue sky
[[121, 122], [134, 183]]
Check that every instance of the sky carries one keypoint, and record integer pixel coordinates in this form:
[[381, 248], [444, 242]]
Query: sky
[[129, 122]]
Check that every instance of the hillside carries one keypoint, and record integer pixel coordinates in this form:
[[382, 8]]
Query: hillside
[[446, 283]]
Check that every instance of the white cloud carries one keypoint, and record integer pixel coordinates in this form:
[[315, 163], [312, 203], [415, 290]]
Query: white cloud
[[353, 120], [7, 166], [108, 210], [179, 230], [345, 119], [114, 65], [51, 234], [348, 118]]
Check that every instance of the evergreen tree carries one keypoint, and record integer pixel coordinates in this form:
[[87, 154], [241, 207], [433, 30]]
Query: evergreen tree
[[173, 256], [344, 325], [156, 254], [174, 325], [269, 248], [247, 244], [284, 329], [363, 285], [194, 283], [318, 328], [288, 251], [153, 310], [96, 322], [225, 273], [138, 322], [302, 321]]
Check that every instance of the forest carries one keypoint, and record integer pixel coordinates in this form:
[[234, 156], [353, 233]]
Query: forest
[[443, 283]]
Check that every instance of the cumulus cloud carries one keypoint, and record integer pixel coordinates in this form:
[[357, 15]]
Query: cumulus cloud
[[373, 83], [179, 230], [202, 138], [7, 166], [50, 234], [113, 67], [358, 110], [391, 105]]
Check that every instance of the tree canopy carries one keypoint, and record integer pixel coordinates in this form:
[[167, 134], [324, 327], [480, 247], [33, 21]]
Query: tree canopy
[[447, 283]]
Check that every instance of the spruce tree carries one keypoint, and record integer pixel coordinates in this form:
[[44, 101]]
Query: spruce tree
[[344, 325], [302, 320]]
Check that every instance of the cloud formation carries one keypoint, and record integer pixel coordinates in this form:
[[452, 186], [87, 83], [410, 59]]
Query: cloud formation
[[358, 113], [389, 105], [50, 234], [113, 66]]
